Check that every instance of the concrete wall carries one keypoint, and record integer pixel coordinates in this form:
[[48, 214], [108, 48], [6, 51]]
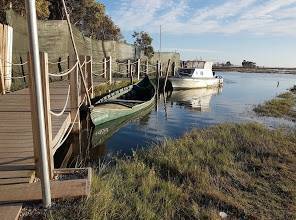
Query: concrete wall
[[54, 38], [165, 56]]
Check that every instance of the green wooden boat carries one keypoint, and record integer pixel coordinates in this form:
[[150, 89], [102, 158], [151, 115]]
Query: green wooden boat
[[103, 132], [124, 102]]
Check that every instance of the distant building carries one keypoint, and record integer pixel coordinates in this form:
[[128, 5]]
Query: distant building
[[248, 64]]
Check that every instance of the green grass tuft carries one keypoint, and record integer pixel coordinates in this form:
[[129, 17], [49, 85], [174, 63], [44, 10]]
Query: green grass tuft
[[245, 170], [283, 106]]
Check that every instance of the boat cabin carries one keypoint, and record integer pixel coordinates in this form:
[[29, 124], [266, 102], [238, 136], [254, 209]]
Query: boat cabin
[[201, 69]]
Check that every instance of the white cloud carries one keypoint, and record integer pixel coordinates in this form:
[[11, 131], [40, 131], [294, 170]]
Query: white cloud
[[231, 16]]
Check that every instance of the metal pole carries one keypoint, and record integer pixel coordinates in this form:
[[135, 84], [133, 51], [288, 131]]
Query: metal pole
[[34, 51]]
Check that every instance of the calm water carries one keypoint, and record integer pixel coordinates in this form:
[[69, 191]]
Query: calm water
[[189, 109]]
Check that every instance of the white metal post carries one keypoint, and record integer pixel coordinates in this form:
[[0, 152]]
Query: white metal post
[[34, 51]]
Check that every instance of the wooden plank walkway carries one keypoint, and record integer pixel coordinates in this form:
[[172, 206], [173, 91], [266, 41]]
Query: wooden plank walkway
[[16, 138]]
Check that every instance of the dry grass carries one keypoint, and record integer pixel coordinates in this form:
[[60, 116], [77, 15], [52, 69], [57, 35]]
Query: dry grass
[[283, 106], [247, 171]]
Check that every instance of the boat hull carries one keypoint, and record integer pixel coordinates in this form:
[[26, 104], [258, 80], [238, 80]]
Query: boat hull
[[102, 115], [195, 83]]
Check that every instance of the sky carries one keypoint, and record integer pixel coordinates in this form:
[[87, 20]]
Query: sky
[[263, 31]]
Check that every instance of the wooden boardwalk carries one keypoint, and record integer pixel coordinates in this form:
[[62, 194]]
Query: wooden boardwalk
[[16, 138]]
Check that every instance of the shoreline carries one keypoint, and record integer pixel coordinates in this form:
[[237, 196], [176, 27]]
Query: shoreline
[[291, 71]]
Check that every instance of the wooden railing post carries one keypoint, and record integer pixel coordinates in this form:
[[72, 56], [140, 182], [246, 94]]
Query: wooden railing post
[[139, 68], [147, 67], [47, 115], [82, 88], [74, 105], [90, 80], [129, 68], [105, 68], [110, 70]]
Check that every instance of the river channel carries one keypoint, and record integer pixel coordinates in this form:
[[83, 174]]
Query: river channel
[[189, 109]]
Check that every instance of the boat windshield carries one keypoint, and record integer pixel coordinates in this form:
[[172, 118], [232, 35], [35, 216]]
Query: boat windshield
[[186, 72]]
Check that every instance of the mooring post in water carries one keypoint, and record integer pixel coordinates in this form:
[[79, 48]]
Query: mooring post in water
[[166, 76], [157, 76], [37, 101]]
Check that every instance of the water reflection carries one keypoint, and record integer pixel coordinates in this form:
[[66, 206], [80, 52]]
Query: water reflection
[[185, 110], [103, 132], [195, 99]]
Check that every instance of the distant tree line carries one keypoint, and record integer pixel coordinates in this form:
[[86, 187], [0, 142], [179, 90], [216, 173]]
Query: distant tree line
[[248, 64], [89, 16]]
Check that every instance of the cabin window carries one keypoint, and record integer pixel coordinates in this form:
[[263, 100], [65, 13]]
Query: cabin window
[[186, 72]]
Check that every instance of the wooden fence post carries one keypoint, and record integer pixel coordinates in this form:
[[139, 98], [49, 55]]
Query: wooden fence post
[[74, 103], [174, 69], [47, 115], [90, 80], [105, 68], [147, 67], [110, 70], [3, 43], [131, 73], [139, 68], [82, 88], [129, 68]]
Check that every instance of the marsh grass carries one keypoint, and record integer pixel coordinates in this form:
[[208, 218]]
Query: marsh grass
[[283, 106], [245, 170]]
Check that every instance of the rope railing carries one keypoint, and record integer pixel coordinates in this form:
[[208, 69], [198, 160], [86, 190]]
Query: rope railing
[[100, 63], [122, 73], [97, 74], [65, 106], [67, 72], [18, 77], [58, 62], [13, 64], [64, 138]]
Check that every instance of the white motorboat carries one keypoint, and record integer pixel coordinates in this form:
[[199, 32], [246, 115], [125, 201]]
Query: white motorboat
[[200, 76]]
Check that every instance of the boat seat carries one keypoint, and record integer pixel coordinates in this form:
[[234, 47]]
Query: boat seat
[[127, 101]]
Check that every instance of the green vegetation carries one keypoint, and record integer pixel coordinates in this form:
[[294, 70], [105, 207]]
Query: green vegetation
[[143, 40], [281, 106], [244, 170], [89, 16]]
